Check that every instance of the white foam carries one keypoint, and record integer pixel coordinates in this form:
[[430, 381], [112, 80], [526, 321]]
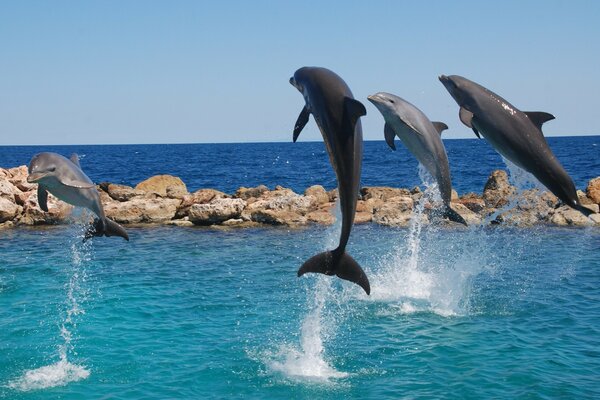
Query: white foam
[[58, 374]]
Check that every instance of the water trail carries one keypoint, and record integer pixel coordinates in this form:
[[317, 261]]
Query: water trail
[[63, 371], [308, 361], [431, 268]]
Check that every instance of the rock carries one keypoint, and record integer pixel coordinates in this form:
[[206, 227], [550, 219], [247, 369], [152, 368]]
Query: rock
[[8, 209], [583, 198], [179, 222], [283, 199], [217, 211], [247, 193], [333, 195], [32, 214], [278, 217], [565, 215], [471, 217], [318, 193], [18, 177], [382, 193], [593, 190], [120, 192], [142, 210], [202, 196], [164, 186], [396, 212], [363, 217], [476, 205], [8, 190], [498, 191], [453, 195], [320, 217]]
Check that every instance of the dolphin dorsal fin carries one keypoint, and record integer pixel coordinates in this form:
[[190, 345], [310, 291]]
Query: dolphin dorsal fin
[[390, 135], [439, 126], [75, 159], [301, 122], [539, 117], [466, 117]]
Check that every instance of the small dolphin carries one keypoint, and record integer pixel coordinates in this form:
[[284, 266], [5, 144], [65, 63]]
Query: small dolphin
[[337, 114], [422, 137], [514, 134], [64, 179]]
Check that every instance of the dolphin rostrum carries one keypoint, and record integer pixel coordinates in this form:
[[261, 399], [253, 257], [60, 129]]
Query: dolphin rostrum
[[337, 114], [422, 137], [516, 135], [64, 179]]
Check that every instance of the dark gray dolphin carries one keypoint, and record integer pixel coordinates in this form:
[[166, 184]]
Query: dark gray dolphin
[[422, 137], [514, 134], [64, 179], [337, 114]]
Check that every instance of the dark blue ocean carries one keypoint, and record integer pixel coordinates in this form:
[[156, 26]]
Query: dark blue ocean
[[203, 313], [226, 167]]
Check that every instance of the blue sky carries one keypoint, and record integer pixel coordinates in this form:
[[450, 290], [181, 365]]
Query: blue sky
[[197, 71]]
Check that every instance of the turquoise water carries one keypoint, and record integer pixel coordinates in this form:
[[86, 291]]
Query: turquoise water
[[200, 313]]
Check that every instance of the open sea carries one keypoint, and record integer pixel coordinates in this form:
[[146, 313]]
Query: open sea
[[203, 313]]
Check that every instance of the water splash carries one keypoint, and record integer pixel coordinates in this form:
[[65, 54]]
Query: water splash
[[63, 372], [308, 361], [427, 272]]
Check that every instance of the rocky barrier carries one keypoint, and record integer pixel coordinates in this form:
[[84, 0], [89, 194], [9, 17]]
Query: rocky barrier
[[164, 199]]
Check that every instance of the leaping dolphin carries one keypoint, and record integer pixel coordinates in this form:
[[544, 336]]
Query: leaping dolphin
[[64, 179], [516, 135], [422, 137], [337, 114]]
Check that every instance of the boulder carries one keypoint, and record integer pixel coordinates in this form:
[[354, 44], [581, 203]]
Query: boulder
[[245, 193], [217, 211], [472, 201], [164, 186], [395, 212], [8, 209], [142, 210], [18, 177], [333, 195], [202, 196], [283, 199], [593, 190], [120, 192], [278, 217], [32, 214], [498, 191], [319, 194], [565, 215], [382, 193], [470, 216], [363, 217], [320, 217], [583, 198]]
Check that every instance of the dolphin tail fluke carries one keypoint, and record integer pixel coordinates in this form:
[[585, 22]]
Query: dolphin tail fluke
[[454, 216], [105, 227], [344, 266]]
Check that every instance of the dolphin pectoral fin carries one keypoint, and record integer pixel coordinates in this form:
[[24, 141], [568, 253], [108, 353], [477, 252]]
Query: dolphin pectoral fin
[[353, 110], [439, 126], [42, 198], [454, 216], [390, 135], [539, 117], [75, 159], [77, 184], [345, 267], [301, 122], [105, 227], [466, 117]]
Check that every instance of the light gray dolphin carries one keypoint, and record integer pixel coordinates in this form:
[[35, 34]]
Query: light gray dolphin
[[64, 179], [337, 114], [422, 137], [516, 135]]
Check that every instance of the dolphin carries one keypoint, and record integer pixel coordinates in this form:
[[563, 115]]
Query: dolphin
[[64, 178], [422, 137], [516, 135], [337, 114]]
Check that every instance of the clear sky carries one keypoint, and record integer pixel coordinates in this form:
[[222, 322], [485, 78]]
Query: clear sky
[[79, 72]]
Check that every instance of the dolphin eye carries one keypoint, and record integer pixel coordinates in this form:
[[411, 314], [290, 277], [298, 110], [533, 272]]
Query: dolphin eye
[[52, 169], [392, 101]]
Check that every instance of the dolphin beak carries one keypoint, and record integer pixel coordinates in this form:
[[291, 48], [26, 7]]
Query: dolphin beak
[[443, 78], [34, 177], [375, 98]]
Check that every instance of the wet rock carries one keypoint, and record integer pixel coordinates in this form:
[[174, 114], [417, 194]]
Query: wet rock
[[278, 217], [319, 194], [217, 211], [382, 193], [593, 190], [142, 210], [163, 186], [497, 191]]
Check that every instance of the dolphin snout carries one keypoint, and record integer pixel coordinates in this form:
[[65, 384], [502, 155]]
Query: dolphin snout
[[375, 98], [443, 78]]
